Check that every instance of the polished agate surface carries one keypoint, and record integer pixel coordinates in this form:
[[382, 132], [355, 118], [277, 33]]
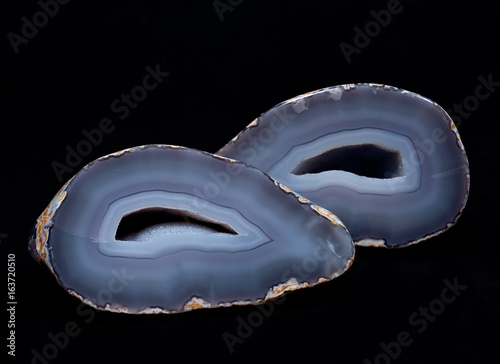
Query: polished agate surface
[[388, 162], [164, 229]]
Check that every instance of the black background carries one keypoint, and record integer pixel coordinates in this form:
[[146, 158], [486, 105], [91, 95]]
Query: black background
[[223, 74]]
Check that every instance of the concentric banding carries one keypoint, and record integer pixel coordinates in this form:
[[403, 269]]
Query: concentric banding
[[185, 267], [419, 197]]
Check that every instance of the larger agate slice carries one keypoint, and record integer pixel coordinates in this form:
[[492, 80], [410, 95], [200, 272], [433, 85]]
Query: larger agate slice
[[388, 162], [163, 229]]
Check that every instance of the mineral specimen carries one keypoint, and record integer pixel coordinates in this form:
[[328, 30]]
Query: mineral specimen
[[163, 229], [388, 162]]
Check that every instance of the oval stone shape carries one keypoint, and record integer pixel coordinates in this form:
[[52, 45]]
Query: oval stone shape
[[164, 229], [388, 162]]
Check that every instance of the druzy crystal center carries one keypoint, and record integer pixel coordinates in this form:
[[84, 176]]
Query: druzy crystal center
[[368, 160], [145, 224]]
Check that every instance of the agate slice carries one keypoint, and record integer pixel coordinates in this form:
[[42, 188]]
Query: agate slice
[[164, 229], [388, 162]]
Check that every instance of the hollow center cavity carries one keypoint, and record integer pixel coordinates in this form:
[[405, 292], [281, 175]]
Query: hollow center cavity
[[368, 160], [146, 224]]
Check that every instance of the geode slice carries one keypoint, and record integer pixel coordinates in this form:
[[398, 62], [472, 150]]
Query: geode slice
[[163, 229], [388, 162]]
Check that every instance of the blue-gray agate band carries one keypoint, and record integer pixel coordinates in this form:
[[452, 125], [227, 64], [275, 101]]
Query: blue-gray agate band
[[234, 234], [388, 162]]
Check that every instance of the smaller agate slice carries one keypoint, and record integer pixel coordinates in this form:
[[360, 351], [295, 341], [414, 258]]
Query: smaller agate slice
[[165, 229], [388, 162]]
